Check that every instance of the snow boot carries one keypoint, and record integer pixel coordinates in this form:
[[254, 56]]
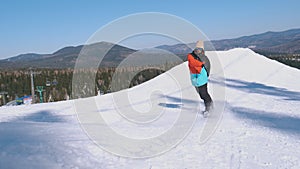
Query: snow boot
[[208, 108]]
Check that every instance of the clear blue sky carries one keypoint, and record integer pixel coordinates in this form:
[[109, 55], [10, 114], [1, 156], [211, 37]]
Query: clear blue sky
[[44, 26]]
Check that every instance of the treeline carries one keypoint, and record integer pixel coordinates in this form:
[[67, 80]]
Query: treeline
[[57, 84], [292, 60]]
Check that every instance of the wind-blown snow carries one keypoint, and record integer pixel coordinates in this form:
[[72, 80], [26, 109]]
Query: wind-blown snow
[[259, 128]]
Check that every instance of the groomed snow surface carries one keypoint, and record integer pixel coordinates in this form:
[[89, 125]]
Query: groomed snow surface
[[259, 128]]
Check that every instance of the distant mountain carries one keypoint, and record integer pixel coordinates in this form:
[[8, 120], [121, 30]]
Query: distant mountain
[[273, 42], [66, 57], [178, 48], [285, 42], [22, 57]]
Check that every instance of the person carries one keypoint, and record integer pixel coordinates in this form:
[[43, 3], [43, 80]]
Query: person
[[199, 66]]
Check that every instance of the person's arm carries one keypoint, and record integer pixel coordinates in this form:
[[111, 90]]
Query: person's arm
[[193, 62]]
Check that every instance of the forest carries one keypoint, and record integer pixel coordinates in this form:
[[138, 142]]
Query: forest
[[56, 84]]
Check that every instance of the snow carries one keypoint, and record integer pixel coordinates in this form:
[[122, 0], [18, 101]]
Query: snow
[[259, 127]]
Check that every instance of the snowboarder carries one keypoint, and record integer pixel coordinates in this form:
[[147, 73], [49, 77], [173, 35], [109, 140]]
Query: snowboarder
[[199, 67]]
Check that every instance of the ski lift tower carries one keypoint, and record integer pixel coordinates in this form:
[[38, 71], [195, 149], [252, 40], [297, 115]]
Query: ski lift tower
[[31, 72], [40, 89]]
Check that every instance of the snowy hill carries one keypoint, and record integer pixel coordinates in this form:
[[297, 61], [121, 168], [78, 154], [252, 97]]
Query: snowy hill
[[259, 127]]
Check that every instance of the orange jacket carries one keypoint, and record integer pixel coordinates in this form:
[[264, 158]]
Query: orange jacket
[[195, 65]]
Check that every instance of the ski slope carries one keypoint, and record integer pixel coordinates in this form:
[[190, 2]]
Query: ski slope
[[259, 127]]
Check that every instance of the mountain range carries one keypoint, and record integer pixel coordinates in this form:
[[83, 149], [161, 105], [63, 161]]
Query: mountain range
[[66, 57], [285, 42], [272, 42]]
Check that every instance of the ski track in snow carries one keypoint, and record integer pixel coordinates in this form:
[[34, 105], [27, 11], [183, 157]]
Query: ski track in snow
[[259, 127]]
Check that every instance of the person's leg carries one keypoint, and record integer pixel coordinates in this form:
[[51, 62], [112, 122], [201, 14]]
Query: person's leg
[[204, 95]]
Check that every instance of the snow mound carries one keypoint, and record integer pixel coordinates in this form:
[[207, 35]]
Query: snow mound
[[259, 126]]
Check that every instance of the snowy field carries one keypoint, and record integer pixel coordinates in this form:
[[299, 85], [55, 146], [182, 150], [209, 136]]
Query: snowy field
[[259, 127]]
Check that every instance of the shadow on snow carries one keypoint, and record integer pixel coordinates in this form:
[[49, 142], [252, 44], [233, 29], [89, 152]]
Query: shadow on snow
[[283, 123], [42, 140], [170, 105], [258, 88], [43, 116]]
